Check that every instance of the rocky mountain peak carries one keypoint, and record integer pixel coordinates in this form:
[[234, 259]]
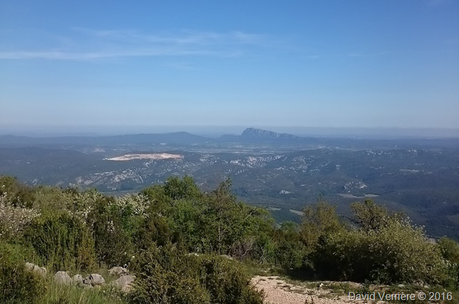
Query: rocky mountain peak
[[260, 133]]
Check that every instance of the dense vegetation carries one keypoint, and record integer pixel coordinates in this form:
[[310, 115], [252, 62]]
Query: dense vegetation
[[419, 179], [189, 246]]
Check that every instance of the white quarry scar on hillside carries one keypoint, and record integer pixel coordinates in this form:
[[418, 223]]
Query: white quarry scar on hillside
[[153, 156]]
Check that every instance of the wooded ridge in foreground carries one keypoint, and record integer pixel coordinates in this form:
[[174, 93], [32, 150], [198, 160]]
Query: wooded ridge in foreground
[[186, 246]]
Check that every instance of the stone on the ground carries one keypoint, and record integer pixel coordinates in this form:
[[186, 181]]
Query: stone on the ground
[[118, 271], [36, 269], [62, 277], [94, 279], [29, 266], [84, 286], [124, 283], [77, 279], [226, 257]]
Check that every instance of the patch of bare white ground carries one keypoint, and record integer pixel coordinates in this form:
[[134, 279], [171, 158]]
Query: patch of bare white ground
[[347, 195], [153, 156], [301, 213], [277, 291]]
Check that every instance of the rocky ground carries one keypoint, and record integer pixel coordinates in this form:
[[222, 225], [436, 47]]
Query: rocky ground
[[278, 291], [123, 282]]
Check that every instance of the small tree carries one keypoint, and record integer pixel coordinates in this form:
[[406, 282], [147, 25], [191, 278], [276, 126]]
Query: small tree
[[449, 249], [112, 243], [184, 188], [319, 221], [389, 250], [18, 285], [368, 215], [61, 241]]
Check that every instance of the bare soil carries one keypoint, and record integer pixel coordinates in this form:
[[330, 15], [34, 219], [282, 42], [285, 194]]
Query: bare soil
[[151, 156], [278, 291]]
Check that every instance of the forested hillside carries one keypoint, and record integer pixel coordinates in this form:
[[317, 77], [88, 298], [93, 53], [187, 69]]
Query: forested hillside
[[188, 246], [280, 171]]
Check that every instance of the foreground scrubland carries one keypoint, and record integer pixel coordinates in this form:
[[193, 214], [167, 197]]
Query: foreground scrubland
[[188, 246]]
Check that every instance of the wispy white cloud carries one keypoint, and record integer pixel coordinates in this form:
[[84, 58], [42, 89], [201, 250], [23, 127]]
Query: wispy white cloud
[[68, 55], [89, 44]]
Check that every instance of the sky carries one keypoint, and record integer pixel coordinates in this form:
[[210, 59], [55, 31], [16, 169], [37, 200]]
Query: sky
[[326, 64]]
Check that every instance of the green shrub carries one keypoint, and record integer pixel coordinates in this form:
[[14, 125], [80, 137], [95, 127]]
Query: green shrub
[[18, 253], [188, 221], [226, 282], [153, 230], [400, 252], [319, 221], [158, 285], [368, 215], [264, 251], [13, 220], [397, 252], [385, 248], [449, 249], [232, 227], [17, 285], [184, 188], [61, 241], [290, 251], [113, 244], [167, 276], [15, 193]]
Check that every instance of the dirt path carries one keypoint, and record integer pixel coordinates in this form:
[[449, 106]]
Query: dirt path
[[278, 291]]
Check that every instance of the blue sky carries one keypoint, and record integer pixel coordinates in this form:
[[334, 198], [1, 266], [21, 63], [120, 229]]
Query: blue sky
[[372, 64]]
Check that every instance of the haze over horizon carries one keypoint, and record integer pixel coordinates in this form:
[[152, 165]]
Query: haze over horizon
[[217, 131], [302, 64]]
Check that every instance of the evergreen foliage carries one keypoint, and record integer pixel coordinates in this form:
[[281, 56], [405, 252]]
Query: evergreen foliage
[[61, 241], [17, 194], [169, 275], [108, 224], [186, 246], [17, 285], [383, 248]]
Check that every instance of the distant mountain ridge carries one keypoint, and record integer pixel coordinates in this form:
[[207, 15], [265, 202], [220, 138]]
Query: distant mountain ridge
[[249, 136], [260, 133], [171, 138]]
